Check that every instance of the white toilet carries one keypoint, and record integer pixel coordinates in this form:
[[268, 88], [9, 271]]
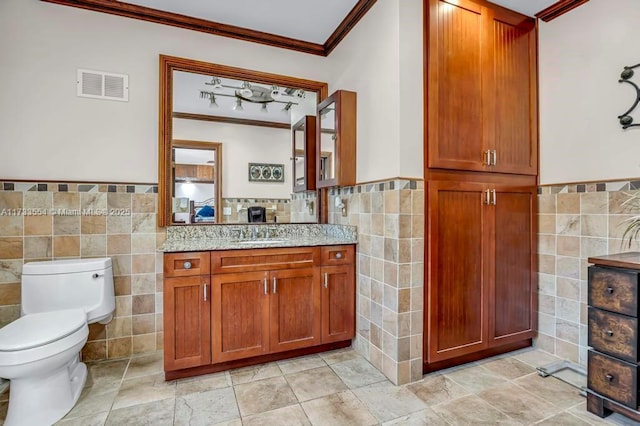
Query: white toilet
[[40, 351]]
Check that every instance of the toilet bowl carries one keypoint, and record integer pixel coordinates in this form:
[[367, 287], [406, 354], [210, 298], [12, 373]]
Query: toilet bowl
[[40, 351]]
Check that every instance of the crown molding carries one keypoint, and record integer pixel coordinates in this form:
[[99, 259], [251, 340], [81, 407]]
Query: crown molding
[[148, 14], [559, 8]]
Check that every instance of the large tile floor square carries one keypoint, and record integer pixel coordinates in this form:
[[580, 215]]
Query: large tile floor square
[[333, 389]]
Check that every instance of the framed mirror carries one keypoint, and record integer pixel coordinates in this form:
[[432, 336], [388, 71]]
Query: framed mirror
[[236, 127], [197, 182]]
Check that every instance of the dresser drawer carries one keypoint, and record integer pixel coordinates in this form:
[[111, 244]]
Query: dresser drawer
[[186, 264], [614, 290], [613, 378], [267, 259], [613, 334]]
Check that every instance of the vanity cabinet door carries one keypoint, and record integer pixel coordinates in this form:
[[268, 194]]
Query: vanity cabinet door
[[336, 140], [338, 303], [295, 309], [240, 315], [187, 323]]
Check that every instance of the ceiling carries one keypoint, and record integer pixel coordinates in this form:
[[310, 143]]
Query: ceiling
[[526, 7], [307, 20]]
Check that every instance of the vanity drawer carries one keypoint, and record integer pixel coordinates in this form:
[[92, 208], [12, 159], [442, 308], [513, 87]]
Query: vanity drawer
[[615, 290], [613, 378], [337, 255], [614, 334], [186, 264], [267, 259]]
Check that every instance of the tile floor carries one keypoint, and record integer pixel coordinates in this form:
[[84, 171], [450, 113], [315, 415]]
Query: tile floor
[[333, 388]]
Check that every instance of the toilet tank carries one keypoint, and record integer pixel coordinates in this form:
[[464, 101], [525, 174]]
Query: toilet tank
[[69, 284]]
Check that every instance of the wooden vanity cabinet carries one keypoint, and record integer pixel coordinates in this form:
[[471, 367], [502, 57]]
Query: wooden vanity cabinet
[[482, 97], [187, 323], [237, 307], [336, 140]]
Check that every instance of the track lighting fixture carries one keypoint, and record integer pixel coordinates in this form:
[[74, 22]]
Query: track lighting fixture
[[215, 82], [246, 90]]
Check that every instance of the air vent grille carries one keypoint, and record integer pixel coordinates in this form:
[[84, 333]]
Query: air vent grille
[[103, 85]]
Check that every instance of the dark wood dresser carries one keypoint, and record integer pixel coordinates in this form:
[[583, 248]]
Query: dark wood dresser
[[612, 376]]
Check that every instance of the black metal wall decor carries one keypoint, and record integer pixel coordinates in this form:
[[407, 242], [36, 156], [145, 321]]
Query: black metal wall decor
[[626, 120]]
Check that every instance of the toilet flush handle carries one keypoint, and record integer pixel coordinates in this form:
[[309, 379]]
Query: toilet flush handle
[[96, 275]]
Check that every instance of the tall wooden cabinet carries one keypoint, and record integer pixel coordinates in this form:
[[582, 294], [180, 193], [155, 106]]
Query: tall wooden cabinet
[[481, 157], [481, 88]]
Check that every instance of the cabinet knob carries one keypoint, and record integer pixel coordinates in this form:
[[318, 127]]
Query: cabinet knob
[[609, 333], [338, 255], [186, 265], [610, 290], [609, 377]]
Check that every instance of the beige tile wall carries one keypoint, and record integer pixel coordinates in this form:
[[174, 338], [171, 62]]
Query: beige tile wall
[[57, 221], [390, 269], [238, 206], [574, 223]]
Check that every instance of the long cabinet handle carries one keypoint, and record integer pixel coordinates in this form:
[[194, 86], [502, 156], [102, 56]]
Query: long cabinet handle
[[487, 196], [493, 197], [275, 285], [266, 286], [494, 157], [205, 291], [326, 280], [487, 157]]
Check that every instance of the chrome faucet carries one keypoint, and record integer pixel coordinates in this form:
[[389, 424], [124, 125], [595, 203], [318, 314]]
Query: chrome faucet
[[254, 233]]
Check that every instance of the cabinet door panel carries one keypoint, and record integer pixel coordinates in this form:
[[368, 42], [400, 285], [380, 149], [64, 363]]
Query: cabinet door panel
[[457, 309], [513, 293], [240, 316], [187, 325], [513, 126], [295, 309], [455, 113], [338, 303]]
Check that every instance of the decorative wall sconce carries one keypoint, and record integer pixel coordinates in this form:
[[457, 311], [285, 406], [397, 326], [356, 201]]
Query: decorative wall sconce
[[626, 120]]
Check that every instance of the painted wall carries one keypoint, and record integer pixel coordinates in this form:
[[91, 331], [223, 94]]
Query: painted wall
[[47, 132], [242, 145], [581, 56], [381, 60]]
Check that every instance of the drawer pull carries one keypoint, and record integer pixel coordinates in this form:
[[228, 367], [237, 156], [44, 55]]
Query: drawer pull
[[609, 333], [610, 290], [338, 255], [609, 377], [186, 265]]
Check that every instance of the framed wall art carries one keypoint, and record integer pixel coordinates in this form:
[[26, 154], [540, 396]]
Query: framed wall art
[[266, 172]]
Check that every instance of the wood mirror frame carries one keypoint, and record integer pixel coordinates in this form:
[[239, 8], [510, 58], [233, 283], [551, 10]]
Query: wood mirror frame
[[169, 64]]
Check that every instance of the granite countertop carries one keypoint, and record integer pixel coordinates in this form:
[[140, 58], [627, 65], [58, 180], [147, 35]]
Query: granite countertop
[[234, 237]]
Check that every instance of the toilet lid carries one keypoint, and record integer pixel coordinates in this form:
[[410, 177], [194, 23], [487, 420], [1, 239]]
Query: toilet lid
[[38, 329]]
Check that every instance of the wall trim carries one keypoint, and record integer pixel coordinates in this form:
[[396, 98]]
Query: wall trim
[[157, 16], [558, 9]]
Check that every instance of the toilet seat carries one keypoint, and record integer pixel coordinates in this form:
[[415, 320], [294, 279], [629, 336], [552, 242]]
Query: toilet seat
[[40, 335]]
